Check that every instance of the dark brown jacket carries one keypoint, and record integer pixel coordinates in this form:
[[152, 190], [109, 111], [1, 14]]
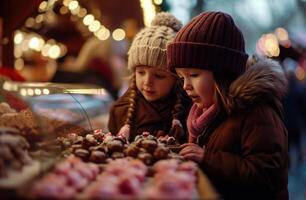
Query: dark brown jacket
[[149, 116], [246, 154]]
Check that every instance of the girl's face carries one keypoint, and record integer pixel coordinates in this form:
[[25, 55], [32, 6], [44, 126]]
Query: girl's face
[[199, 85], [154, 83]]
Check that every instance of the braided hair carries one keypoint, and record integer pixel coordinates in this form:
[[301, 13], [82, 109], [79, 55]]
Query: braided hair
[[132, 101]]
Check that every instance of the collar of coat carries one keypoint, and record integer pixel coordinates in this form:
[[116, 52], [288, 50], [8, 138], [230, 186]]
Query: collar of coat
[[263, 82]]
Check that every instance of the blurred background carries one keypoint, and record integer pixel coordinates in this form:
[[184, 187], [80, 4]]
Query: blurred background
[[82, 41]]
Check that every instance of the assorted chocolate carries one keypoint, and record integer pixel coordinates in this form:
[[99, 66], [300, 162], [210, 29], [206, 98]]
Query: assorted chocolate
[[99, 147]]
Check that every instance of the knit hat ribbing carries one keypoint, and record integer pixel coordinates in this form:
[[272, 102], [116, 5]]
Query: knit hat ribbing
[[149, 46], [210, 41]]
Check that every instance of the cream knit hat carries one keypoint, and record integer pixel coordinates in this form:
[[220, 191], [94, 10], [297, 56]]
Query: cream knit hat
[[149, 46]]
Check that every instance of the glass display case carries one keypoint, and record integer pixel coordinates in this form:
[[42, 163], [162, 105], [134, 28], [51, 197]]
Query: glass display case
[[34, 115]]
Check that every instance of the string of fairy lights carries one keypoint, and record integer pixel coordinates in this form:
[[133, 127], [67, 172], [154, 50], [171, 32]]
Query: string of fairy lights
[[30, 41], [25, 40]]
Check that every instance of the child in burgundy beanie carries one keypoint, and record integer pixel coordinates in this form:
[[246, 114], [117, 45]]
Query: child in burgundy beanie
[[236, 130]]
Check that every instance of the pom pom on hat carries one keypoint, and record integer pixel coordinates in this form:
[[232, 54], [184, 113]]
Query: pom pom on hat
[[149, 47], [167, 19]]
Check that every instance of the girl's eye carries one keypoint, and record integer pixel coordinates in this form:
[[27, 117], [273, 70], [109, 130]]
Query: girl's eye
[[194, 75], [140, 72], [160, 76]]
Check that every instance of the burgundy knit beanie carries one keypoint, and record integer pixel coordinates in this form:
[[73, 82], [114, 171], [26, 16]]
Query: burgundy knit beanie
[[210, 41]]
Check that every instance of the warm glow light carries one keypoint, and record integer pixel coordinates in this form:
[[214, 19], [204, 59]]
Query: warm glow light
[[85, 91], [268, 45], [66, 2], [43, 6], [30, 92], [17, 51], [88, 19], [94, 26], [45, 50], [82, 12], [158, 2], [118, 34], [271, 45], [64, 10], [10, 86], [103, 34], [149, 11], [18, 38], [281, 34], [25, 45], [73, 5], [34, 43], [75, 11], [54, 51], [39, 18], [23, 92], [46, 91], [37, 91], [19, 64]]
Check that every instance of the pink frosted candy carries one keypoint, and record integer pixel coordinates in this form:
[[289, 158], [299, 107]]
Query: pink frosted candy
[[129, 185], [85, 171], [73, 176], [63, 168], [50, 186], [188, 166], [54, 179], [166, 165], [67, 193], [94, 168], [80, 184], [107, 191]]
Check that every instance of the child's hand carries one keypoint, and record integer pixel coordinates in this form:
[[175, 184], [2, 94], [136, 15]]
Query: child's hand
[[124, 132], [191, 151]]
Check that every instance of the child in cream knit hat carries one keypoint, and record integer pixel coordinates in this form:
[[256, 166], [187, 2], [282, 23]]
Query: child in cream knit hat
[[155, 101]]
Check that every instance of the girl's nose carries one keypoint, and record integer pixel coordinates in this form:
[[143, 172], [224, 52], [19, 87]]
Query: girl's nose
[[148, 80], [187, 85]]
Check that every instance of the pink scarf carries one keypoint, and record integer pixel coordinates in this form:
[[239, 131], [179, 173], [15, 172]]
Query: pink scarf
[[197, 120]]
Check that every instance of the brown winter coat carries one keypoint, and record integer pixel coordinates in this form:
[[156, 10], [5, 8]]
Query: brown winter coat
[[246, 154], [149, 116]]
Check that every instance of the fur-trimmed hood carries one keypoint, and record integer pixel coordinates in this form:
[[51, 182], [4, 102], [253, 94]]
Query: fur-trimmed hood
[[264, 82]]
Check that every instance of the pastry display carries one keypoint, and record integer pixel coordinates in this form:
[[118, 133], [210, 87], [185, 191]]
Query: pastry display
[[29, 124], [13, 151], [6, 108]]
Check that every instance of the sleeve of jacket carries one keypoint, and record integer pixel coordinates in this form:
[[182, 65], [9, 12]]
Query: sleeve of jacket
[[263, 153], [112, 122]]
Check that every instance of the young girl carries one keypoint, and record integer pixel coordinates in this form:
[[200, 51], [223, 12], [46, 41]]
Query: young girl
[[155, 101], [236, 130]]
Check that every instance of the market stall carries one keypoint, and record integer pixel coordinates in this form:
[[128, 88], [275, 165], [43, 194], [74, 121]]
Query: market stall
[[55, 144]]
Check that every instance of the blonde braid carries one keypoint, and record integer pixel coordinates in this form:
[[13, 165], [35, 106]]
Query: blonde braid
[[132, 101]]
